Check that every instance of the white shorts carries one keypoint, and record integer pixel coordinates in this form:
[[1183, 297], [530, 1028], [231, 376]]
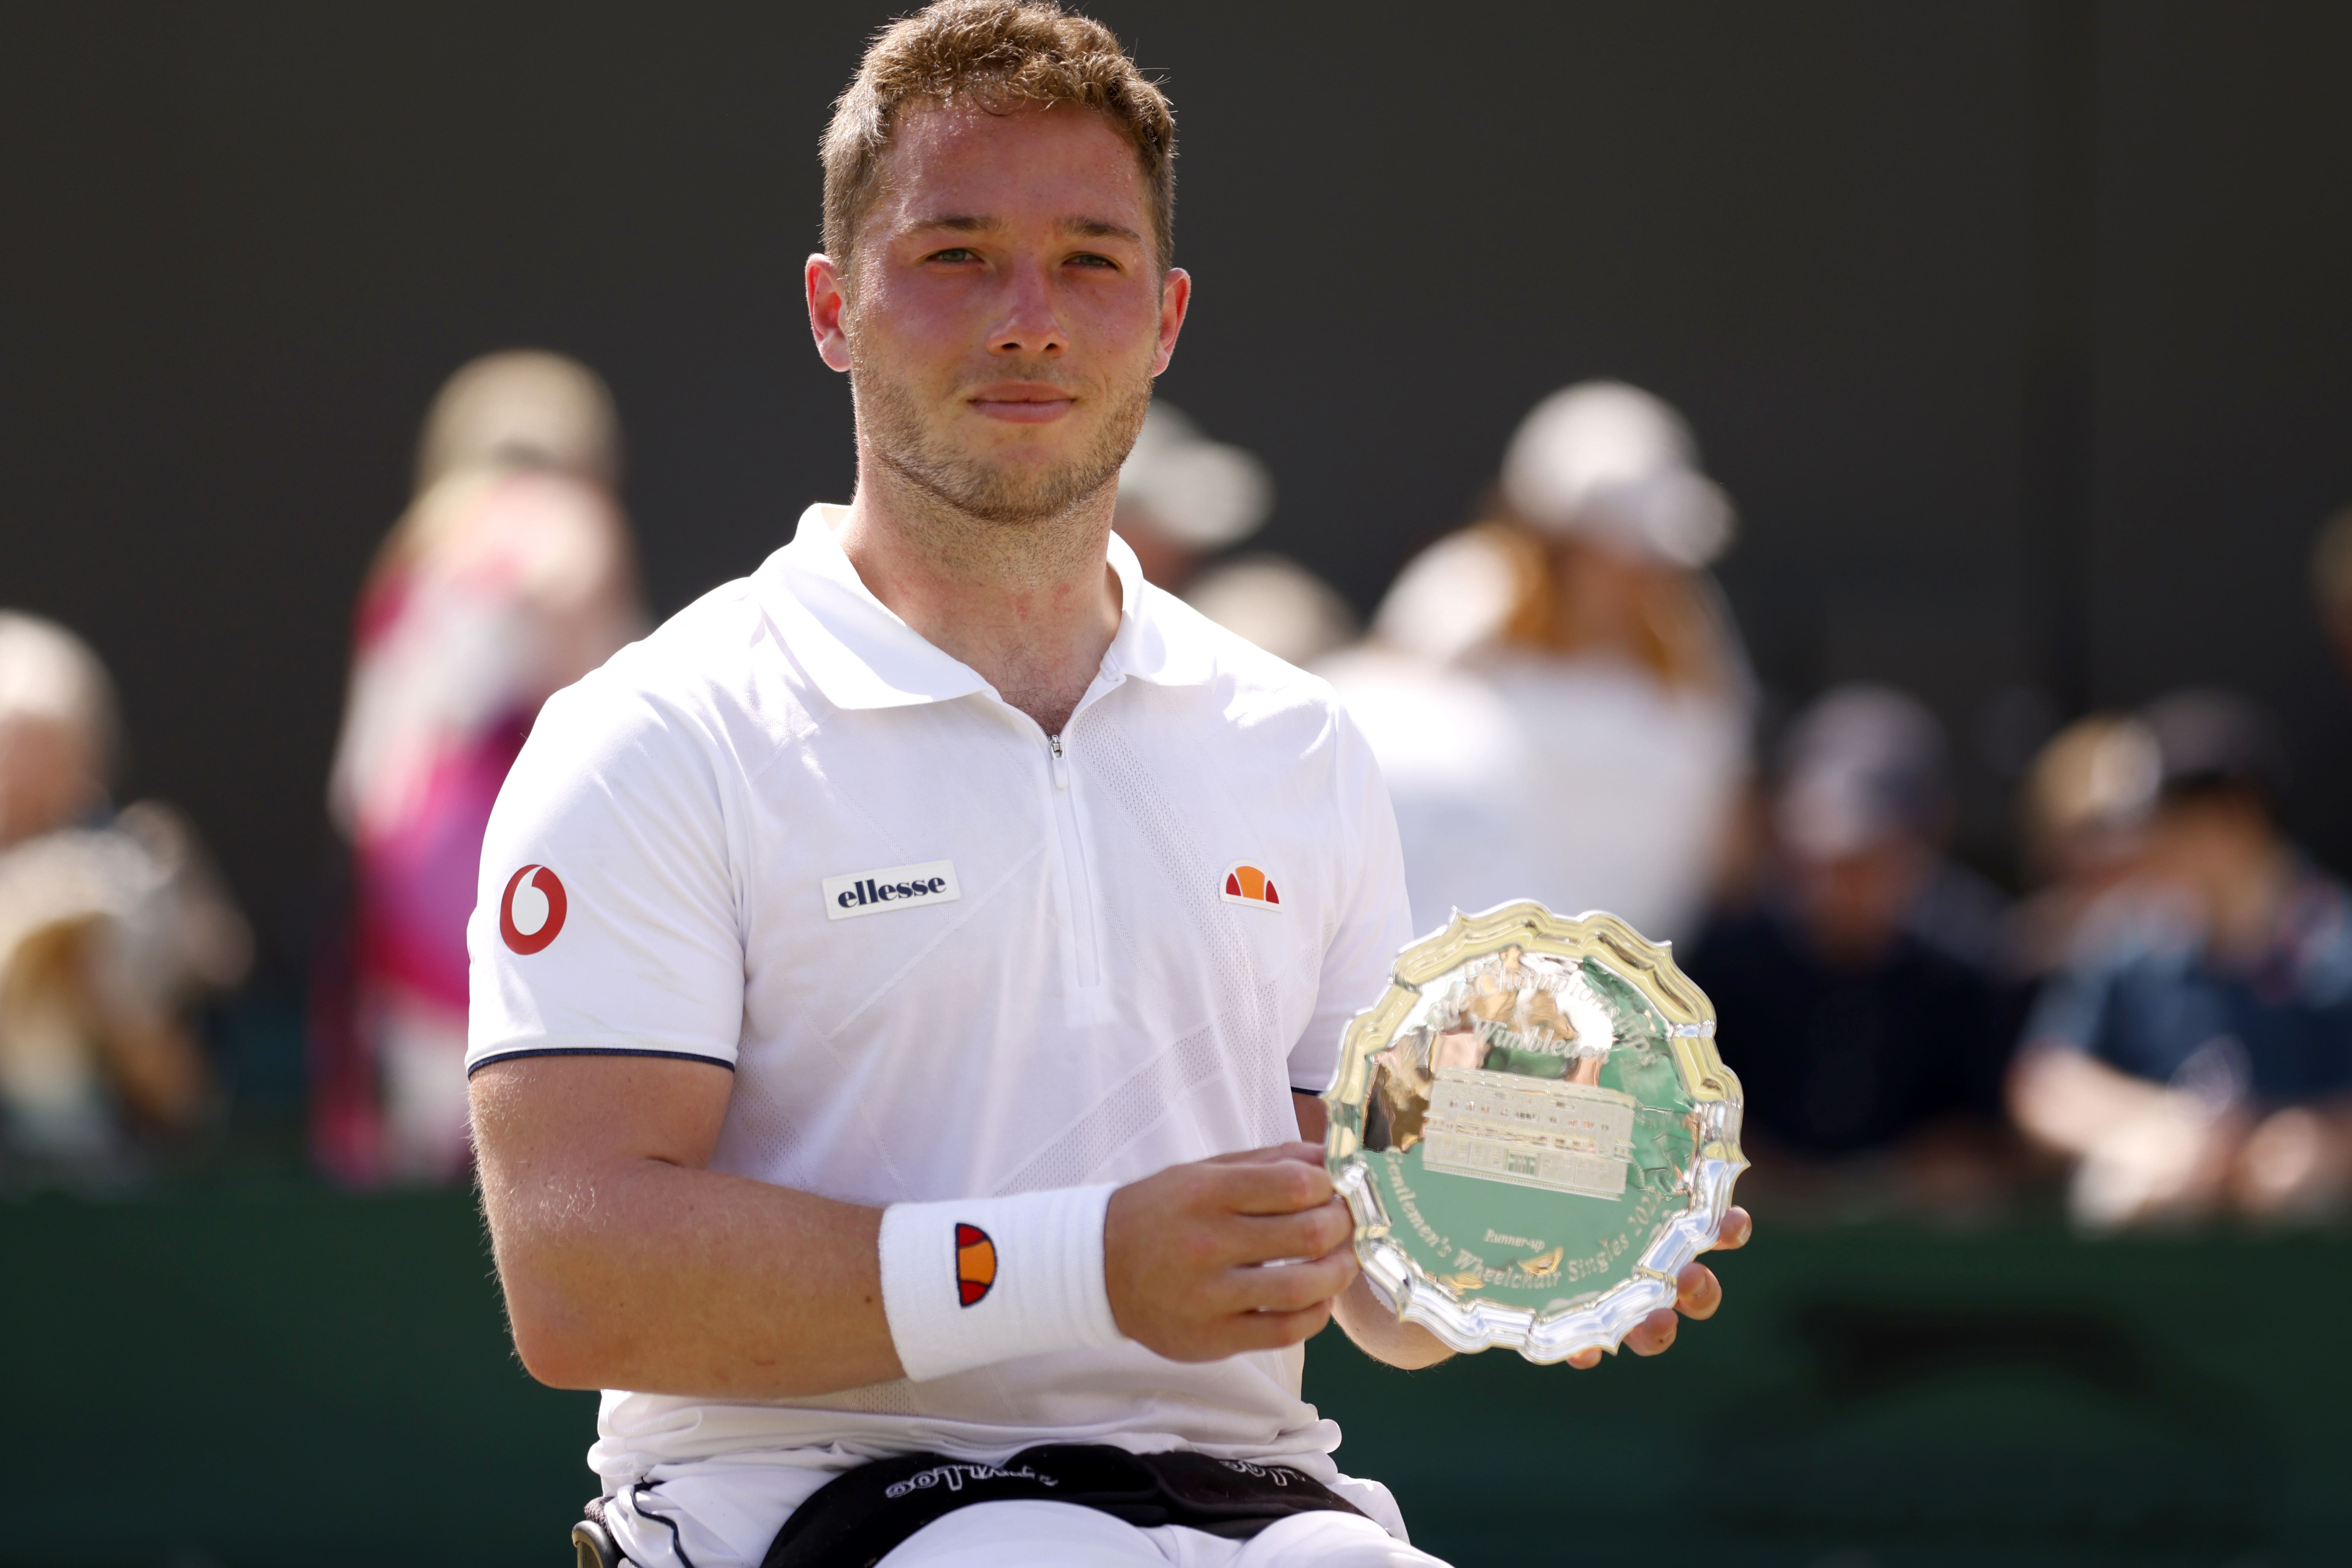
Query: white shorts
[[1065, 1535], [699, 1517]]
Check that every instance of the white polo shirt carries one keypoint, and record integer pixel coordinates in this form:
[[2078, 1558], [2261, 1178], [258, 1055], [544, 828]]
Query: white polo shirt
[[945, 956]]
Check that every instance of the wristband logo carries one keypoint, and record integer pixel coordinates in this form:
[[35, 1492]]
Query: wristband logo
[[1246, 884], [531, 910], [975, 1263]]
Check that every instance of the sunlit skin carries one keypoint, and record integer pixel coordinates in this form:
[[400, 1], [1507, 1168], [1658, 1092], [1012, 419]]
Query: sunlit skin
[[1001, 324]]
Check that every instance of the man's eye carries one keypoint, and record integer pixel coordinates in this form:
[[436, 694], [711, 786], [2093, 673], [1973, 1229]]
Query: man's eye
[[1089, 258], [953, 253]]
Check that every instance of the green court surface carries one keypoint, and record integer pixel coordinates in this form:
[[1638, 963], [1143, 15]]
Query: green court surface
[[277, 1374]]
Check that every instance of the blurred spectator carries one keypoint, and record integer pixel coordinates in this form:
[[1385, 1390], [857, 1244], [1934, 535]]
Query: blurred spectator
[[1277, 604], [112, 924], [2198, 1051], [1856, 995], [2331, 577], [1183, 498], [510, 576], [1557, 695], [2083, 812]]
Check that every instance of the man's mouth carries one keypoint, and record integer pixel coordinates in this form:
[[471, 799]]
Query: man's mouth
[[1020, 401]]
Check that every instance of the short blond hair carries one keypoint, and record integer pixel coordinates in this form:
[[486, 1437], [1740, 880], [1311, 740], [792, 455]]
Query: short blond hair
[[998, 54]]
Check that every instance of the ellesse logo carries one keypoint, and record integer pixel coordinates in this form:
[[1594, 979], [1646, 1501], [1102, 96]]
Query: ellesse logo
[[854, 893], [531, 912], [975, 1263], [1246, 884]]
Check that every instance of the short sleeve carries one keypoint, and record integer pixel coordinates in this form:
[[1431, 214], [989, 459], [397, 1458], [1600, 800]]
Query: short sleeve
[[1374, 921], [607, 917]]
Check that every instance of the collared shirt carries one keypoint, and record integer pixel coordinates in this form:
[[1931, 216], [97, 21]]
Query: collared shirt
[[945, 955]]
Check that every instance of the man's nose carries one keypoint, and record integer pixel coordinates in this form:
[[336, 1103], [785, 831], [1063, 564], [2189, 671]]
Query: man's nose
[[1030, 325]]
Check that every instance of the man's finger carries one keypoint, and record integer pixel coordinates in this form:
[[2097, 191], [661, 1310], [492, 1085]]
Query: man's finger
[[1271, 1187], [1276, 1331], [1280, 1287], [1697, 1292], [1738, 1227], [1298, 1153], [1306, 1233], [1289, 1287], [1585, 1360], [1653, 1333]]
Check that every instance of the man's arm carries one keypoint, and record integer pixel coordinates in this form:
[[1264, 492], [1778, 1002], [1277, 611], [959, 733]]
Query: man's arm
[[629, 1264], [1378, 1335]]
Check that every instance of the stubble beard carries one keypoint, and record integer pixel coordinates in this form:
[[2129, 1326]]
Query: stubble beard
[[891, 422]]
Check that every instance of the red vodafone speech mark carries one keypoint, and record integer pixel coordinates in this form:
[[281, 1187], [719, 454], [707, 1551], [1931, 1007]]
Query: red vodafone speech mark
[[540, 893]]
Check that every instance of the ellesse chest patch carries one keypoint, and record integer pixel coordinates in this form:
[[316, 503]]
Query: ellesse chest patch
[[856, 893]]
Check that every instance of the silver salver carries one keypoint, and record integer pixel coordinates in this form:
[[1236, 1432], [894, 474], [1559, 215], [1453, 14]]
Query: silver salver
[[1534, 1132]]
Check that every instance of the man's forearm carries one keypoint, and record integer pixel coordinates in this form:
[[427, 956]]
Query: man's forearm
[[1376, 1331], [633, 1269]]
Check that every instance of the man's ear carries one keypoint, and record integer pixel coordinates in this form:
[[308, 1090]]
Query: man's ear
[[1175, 299], [828, 304]]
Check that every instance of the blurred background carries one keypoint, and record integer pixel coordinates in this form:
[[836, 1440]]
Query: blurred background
[[1960, 564]]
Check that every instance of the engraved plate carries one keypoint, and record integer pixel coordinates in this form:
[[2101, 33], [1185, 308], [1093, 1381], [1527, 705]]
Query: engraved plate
[[1534, 1132]]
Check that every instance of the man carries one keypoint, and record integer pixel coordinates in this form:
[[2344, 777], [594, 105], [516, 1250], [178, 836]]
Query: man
[[1859, 985], [868, 1060], [112, 927], [2198, 1051]]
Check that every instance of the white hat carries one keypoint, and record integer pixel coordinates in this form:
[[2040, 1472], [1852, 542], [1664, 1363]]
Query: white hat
[[47, 672], [1864, 763], [1609, 461], [1196, 491], [523, 408]]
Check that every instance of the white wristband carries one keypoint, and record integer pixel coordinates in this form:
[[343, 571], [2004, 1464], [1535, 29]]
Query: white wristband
[[971, 1282]]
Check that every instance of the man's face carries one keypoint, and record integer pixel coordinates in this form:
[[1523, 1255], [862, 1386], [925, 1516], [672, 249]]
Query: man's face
[[1008, 313]]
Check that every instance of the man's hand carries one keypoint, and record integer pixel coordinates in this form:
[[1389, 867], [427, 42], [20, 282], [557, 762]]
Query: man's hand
[[1697, 1293], [1244, 1252]]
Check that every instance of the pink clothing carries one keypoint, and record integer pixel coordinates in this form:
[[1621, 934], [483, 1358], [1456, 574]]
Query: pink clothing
[[500, 587]]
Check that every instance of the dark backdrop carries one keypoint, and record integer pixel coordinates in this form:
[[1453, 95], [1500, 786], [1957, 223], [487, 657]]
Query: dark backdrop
[[2019, 333]]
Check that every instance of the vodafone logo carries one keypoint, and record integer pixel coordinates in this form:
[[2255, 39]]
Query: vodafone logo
[[531, 911]]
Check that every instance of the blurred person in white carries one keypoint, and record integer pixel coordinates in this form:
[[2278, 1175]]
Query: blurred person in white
[[510, 577], [2084, 814], [112, 924], [1182, 500], [1557, 695], [2197, 1053], [1857, 997]]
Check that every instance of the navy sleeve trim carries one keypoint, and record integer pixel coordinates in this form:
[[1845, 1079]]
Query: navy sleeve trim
[[597, 1051]]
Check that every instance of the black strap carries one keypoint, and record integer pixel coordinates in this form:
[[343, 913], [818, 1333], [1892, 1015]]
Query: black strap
[[860, 1516]]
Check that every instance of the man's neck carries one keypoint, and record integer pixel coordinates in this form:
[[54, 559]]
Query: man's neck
[[1030, 607]]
